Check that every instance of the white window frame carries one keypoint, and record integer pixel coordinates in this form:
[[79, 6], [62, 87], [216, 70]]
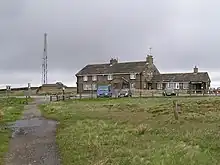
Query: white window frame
[[110, 77], [159, 85], [85, 87], [94, 78], [94, 86], [145, 85], [177, 85], [85, 78], [133, 76], [185, 85], [132, 86]]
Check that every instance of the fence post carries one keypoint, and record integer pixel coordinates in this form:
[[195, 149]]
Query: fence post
[[175, 109], [51, 99], [26, 99], [80, 94], [57, 97], [140, 93]]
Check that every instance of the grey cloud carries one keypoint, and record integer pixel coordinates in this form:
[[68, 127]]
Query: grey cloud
[[182, 33]]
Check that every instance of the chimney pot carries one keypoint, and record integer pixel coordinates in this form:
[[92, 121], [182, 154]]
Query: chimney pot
[[113, 61], [195, 69], [149, 59]]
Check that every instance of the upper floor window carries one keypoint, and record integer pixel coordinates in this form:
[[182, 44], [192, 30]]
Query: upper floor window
[[94, 78], [133, 76], [85, 78], [110, 77]]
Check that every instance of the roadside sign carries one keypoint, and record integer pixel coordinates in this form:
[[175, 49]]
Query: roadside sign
[[29, 85], [8, 87]]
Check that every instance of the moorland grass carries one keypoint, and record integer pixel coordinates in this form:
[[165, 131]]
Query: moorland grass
[[10, 110], [137, 131]]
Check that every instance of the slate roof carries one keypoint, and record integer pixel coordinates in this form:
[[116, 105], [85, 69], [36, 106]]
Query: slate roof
[[182, 77], [57, 84], [125, 67]]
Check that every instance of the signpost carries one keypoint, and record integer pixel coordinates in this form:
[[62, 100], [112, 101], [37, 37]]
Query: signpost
[[26, 93], [29, 90], [63, 89], [8, 89]]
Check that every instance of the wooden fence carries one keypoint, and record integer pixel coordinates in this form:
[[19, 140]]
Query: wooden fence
[[138, 93]]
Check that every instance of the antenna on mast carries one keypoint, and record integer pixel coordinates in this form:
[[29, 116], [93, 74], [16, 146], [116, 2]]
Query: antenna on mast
[[150, 50], [44, 63]]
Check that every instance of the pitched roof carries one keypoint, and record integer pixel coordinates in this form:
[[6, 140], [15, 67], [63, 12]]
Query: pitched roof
[[125, 67], [57, 84], [182, 77]]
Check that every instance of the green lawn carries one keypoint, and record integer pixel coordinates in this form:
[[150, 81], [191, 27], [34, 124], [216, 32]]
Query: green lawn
[[10, 110], [137, 131]]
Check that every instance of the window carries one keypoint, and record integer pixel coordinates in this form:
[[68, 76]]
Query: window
[[181, 86], [171, 85], [145, 85], [177, 85], [159, 85], [94, 78], [86, 87], [94, 87], [110, 77], [85, 78], [185, 85], [133, 76], [132, 85]]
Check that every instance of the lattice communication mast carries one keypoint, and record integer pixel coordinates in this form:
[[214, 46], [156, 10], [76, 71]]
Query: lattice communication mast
[[44, 63]]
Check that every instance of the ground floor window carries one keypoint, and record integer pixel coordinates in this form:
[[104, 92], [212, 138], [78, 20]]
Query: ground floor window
[[172, 85], [94, 87], [159, 85], [145, 85], [180, 85], [87, 87], [185, 85], [132, 85]]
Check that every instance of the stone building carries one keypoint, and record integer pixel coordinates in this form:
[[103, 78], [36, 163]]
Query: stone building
[[137, 75]]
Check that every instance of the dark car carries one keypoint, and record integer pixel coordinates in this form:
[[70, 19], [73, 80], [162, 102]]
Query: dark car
[[125, 93], [169, 92]]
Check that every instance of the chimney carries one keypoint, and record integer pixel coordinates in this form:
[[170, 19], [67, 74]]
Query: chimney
[[113, 61], [195, 70], [149, 59]]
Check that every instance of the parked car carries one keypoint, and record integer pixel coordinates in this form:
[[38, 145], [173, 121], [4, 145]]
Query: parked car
[[104, 91], [125, 93], [169, 92], [218, 90]]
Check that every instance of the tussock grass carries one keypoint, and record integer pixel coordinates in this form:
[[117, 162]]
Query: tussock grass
[[137, 131], [10, 110]]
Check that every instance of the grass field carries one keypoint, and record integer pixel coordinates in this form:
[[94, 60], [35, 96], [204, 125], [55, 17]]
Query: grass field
[[137, 131], [10, 110]]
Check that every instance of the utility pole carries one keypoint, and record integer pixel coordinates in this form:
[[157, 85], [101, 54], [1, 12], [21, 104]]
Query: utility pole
[[44, 63]]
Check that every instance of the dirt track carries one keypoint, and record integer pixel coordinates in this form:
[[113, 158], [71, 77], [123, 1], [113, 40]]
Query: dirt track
[[33, 141]]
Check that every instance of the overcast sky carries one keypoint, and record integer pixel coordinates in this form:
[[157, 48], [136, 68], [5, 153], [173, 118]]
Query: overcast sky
[[182, 33]]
